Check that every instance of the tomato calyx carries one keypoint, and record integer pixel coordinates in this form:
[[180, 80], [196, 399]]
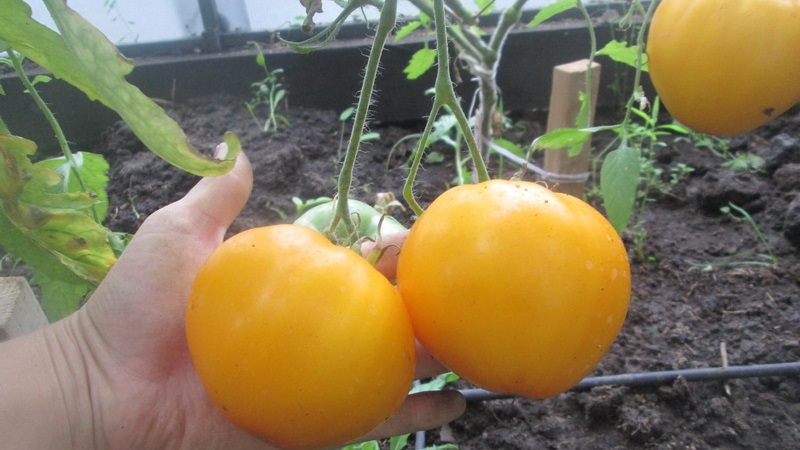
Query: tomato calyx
[[369, 223]]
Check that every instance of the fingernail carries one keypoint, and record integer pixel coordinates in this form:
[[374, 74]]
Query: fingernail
[[220, 151]]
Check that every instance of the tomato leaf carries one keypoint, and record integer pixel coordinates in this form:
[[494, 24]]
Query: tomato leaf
[[420, 62], [511, 147], [622, 53], [619, 180], [551, 10], [398, 442], [61, 298], [92, 169], [50, 229], [437, 383], [407, 29], [561, 138], [82, 56], [485, 6]]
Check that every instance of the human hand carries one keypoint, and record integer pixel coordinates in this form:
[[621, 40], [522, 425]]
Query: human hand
[[122, 365]]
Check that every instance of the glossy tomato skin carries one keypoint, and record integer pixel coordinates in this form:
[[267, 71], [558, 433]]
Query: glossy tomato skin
[[725, 67], [515, 288], [297, 340]]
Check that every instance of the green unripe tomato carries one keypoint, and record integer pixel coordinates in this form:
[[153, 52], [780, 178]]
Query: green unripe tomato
[[366, 219]]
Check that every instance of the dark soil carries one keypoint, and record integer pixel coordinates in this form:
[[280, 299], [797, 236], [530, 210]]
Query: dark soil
[[692, 295]]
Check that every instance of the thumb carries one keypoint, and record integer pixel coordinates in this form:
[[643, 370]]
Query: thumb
[[152, 279], [214, 202]]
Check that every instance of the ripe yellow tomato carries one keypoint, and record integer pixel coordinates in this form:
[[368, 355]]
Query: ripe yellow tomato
[[725, 67], [297, 340], [514, 287]]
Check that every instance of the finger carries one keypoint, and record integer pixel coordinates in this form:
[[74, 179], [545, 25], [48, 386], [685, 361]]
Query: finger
[[162, 259], [209, 208], [422, 411], [427, 365], [214, 202], [390, 246]]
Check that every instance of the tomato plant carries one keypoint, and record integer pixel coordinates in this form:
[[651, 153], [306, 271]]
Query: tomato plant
[[724, 67], [298, 340], [517, 289]]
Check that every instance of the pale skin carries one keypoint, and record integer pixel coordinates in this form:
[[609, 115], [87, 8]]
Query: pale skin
[[117, 373]]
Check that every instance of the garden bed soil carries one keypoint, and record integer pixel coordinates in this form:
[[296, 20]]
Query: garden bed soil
[[692, 294]]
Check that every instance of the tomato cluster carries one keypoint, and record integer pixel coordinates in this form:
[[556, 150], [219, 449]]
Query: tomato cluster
[[514, 287]]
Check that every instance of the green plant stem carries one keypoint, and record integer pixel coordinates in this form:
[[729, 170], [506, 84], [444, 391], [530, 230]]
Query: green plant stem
[[444, 96], [466, 16], [386, 24], [487, 75], [750, 221], [463, 40], [637, 79], [3, 127], [51, 119], [586, 119]]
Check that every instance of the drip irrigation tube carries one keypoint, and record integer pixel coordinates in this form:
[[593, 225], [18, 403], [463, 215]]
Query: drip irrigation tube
[[664, 377]]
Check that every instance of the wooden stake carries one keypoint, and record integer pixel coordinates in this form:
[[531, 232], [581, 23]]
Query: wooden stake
[[569, 80], [20, 312]]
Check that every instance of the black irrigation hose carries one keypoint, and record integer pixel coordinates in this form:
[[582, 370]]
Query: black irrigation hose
[[665, 377]]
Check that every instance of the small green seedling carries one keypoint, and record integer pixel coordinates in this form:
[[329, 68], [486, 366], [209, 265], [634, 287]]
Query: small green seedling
[[748, 257], [268, 93], [303, 205]]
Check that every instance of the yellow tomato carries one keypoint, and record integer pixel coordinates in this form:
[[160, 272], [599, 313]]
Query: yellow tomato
[[297, 340], [725, 67], [517, 289]]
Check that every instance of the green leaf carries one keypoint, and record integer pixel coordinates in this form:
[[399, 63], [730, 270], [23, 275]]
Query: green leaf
[[619, 180], [346, 114], [424, 18], [398, 442], [407, 29], [621, 52], [745, 162], [421, 61], [485, 6], [434, 158], [436, 383], [369, 445], [40, 79], [551, 10], [92, 169], [61, 298], [511, 147], [62, 290], [561, 138], [260, 59], [370, 136], [82, 56], [584, 113]]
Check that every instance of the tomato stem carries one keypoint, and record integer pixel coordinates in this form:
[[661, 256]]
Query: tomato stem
[[16, 62], [638, 73], [584, 116], [444, 96], [386, 23]]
